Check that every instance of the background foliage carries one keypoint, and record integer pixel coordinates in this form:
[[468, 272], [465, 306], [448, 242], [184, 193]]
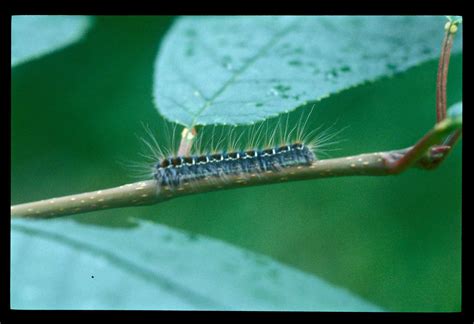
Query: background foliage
[[395, 241]]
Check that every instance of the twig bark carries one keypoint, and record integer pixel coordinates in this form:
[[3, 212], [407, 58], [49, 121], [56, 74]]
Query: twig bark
[[148, 192]]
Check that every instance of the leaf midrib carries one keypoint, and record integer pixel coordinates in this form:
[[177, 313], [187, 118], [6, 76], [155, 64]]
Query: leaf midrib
[[132, 268], [260, 53]]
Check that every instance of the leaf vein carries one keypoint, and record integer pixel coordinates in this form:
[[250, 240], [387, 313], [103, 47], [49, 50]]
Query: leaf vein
[[260, 53]]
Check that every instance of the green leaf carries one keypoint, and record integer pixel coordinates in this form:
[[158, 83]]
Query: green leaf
[[239, 70], [35, 36], [59, 264]]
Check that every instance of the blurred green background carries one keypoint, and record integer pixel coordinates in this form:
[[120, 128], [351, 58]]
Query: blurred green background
[[395, 241]]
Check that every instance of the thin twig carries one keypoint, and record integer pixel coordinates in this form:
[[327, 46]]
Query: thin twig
[[427, 145], [148, 192], [442, 79], [187, 139]]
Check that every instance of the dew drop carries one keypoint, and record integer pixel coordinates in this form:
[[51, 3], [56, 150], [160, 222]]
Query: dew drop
[[282, 88], [227, 63], [331, 74], [345, 68], [295, 63], [274, 92], [391, 66], [426, 50]]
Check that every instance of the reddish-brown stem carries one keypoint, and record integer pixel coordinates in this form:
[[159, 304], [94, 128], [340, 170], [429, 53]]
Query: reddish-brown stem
[[448, 143], [426, 153], [443, 67], [447, 55], [439, 90], [437, 153]]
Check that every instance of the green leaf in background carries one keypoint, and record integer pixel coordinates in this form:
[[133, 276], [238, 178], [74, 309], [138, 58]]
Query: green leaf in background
[[455, 111], [34, 36], [239, 70], [155, 267]]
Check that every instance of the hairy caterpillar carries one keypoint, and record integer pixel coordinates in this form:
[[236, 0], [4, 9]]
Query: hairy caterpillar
[[174, 171], [262, 153]]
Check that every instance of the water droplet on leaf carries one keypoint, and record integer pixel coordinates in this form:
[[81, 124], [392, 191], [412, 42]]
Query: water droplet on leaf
[[227, 63], [331, 74], [295, 63], [345, 68], [391, 66], [274, 92], [282, 88], [426, 50]]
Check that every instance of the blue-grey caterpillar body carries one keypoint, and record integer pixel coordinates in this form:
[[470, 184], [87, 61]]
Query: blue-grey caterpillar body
[[177, 170], [270, 147]]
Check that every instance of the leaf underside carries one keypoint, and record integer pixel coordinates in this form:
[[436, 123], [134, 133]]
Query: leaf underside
[[240, 70], [84, 267], [35, 36], [455, 111]]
